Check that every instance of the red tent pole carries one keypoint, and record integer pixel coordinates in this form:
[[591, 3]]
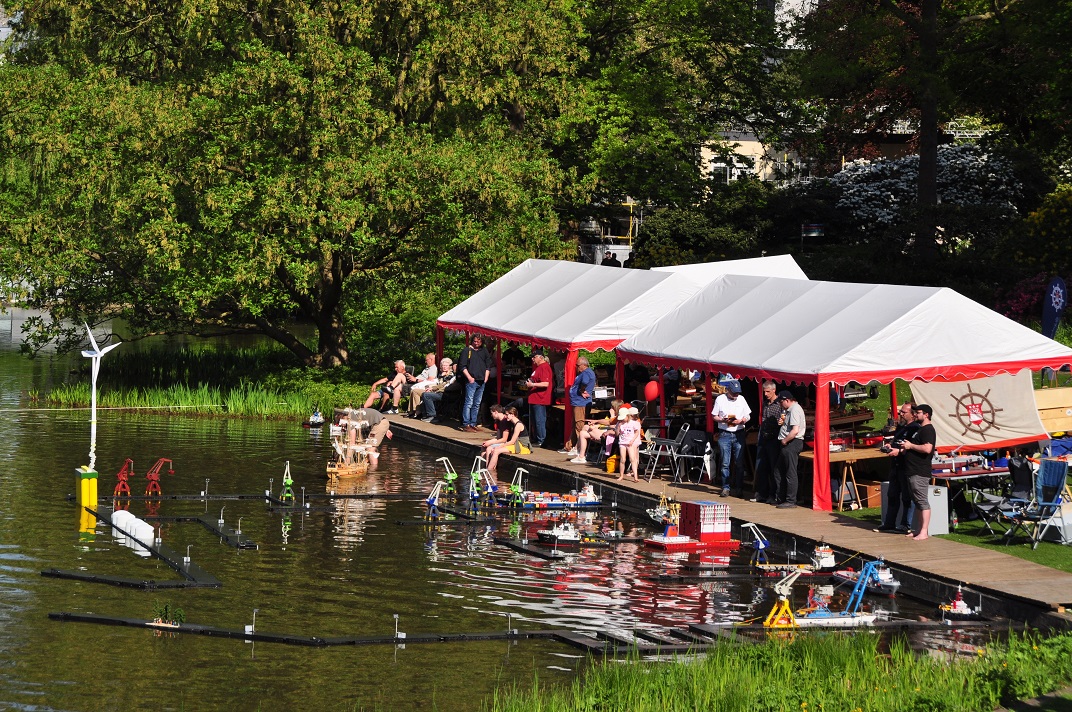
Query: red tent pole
[[438, 344], [708, 392], [571, 373], [820, 485], [893, 400]]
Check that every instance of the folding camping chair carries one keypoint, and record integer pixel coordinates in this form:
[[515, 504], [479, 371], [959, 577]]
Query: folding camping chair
[[1036, 517], [992, 508], [668, 447]]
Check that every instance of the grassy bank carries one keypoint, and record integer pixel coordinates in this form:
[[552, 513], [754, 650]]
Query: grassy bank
[[1048, 553], [812, 673], [251, 383]]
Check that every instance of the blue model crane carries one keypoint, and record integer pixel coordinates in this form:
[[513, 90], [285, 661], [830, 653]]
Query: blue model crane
[[820, 616]]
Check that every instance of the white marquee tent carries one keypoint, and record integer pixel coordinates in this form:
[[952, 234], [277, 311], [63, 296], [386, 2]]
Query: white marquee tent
[[824, 333], [569, 306]]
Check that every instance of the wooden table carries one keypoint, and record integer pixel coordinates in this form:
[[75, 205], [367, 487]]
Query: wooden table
[[847, 458]]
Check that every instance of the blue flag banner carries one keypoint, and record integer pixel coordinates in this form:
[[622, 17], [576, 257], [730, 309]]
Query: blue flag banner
[[1053, 305]]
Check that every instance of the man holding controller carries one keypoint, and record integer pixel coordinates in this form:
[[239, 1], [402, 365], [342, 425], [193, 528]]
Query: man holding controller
[[731, 412], [918, 450]]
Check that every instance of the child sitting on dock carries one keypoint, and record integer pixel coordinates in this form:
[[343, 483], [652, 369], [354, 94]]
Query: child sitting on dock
[[517, 444], [502, 432]]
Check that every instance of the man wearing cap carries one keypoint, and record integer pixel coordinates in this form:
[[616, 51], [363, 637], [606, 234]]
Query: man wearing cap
[[609, 260], [731, 412], [918, 450], [791, 440]]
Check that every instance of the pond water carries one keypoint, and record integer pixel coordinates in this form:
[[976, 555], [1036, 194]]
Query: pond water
[[346, 571]]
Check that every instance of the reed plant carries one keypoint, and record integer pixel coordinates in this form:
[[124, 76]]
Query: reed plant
[[859, 672], [246, 400]]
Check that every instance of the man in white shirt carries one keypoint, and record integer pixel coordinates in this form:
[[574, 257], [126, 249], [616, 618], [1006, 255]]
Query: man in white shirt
[[418, 383], [731, 412]]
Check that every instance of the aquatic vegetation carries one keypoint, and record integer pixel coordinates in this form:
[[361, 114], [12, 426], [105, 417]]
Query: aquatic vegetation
[[816, 672]]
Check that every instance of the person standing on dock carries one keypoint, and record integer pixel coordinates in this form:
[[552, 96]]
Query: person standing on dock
[[539, 389], [732, 413], [475, 367], [898, 491], [918, 451], [791, 440], [767, 447]]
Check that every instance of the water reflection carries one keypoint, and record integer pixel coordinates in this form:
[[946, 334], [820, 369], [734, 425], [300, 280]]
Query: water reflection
[[338, 567]]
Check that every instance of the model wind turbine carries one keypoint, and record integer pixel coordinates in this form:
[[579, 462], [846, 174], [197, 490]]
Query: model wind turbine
[[95, 355]]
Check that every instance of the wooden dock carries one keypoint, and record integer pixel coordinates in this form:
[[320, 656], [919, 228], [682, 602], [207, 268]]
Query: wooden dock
[[933, 567]]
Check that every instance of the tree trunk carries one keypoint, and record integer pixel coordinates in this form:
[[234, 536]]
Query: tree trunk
[[927, 98]]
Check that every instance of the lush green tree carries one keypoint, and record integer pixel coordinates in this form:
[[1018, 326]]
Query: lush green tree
[[728, 224], [212, 169], [661, 79], [872, 63]]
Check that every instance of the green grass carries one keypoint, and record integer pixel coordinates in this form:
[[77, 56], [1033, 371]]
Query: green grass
[[1048, 553], [815, 672]]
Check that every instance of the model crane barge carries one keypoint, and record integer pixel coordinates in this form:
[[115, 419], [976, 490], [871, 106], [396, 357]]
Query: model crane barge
[[820, 615]]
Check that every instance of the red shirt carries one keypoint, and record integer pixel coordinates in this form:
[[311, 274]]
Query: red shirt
[[541, 396]]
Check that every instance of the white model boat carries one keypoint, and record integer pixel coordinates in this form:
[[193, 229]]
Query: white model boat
[[881, 582], [563, 534], [823, 557], [825, 618]]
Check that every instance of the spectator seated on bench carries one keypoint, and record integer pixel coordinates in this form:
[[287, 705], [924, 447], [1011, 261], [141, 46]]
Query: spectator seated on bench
[[389, 389], [416, 385], [441, 397]]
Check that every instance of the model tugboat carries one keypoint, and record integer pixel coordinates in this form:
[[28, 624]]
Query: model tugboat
[[823, 557], [958, 609], [561, 534], [881, 580]]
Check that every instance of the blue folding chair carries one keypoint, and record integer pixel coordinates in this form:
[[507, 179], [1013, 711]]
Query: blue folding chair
[[1035, 518]]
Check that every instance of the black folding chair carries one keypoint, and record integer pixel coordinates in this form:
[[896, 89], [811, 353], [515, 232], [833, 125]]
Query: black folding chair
[[992, 508]]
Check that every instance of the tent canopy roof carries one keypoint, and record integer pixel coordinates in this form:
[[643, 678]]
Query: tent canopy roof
[[774, 266], [823, 332], [576, 305]]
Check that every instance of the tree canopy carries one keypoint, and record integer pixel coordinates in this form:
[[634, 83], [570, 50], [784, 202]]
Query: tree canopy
[[211, 169]]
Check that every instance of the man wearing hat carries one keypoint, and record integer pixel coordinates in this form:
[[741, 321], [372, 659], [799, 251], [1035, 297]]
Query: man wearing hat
[[609, 260], [791, 440], [917, 451], [731, 412]]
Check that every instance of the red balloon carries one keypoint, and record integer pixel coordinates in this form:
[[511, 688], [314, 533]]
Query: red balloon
[[651, 390]]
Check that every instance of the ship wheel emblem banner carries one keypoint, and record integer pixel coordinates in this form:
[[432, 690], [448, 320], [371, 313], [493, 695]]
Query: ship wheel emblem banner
[[984, 412]]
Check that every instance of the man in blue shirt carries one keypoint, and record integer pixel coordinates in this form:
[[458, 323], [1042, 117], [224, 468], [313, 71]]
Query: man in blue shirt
[[580, 397]]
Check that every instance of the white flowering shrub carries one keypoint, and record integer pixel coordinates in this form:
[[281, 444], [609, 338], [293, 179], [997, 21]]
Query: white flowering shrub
[[877, 193]]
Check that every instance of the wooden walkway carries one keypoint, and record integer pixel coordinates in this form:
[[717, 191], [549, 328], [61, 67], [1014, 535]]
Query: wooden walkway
[[992, 572]]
